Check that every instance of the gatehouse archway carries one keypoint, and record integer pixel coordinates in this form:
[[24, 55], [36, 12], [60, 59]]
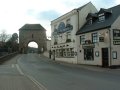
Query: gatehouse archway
[[29, 33], [32, 47]]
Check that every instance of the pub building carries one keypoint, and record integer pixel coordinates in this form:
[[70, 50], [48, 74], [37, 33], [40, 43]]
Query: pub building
[[99, 38], [64, 28]]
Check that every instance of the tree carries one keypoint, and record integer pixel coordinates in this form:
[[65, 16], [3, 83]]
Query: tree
[[3, 36], [14, 37], [12, 43]]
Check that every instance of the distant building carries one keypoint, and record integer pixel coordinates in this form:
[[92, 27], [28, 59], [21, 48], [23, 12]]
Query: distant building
[[99, 38], [64, 40], [48, 45], [29, 33]]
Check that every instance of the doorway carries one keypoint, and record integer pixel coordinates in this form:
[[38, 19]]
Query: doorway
[[105, 57], [53, 54]]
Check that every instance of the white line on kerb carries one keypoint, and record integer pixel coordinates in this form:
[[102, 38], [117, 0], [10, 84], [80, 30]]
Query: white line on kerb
[[40, 86], [13, 65], [18, 68], [37, 83]]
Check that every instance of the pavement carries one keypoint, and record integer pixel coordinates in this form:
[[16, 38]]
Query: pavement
[[89, 67]]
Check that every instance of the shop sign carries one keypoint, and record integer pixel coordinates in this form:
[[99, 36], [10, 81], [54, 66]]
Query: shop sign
[[88, 46], [116, 42], [116, 37], [116, 34]]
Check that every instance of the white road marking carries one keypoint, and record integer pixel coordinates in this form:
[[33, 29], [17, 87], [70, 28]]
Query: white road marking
[[37, 83], [18, 68], [13, 65], [40, 86]]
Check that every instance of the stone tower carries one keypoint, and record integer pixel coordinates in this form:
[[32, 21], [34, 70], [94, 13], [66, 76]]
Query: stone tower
[[29, 33]]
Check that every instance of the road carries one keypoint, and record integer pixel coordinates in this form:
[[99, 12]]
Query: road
[[12, 78], [35, 72], [59, 76]]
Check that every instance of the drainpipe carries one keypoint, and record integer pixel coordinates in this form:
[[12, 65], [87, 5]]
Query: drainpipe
[[76, 35], [110, 46], [78, 18]]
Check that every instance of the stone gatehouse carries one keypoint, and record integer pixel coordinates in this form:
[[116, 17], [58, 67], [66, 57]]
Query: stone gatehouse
[[29, 33]]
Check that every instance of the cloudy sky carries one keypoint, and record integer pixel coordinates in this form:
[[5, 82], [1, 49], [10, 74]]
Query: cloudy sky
[[15, 13]]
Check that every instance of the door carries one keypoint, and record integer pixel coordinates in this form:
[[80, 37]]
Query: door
[[105, 57], [53, 54]]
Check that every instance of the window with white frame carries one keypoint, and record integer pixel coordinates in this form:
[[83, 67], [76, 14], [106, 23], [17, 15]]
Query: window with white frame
[[101, 17], [89, 54], [94, 37], [55, 39], [66, 53], [82, 39], [68, 37], [90, 21]]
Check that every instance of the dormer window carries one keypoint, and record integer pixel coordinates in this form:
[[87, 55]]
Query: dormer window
[[90, 21], [101, 17], [91, 18]]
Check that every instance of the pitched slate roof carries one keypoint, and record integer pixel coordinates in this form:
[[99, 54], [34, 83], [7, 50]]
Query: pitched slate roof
[[115, 13], [32, 27]]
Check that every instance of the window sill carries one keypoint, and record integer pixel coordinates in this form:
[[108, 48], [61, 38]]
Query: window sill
[[66, 57]]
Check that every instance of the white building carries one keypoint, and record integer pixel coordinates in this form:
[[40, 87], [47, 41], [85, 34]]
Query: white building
[[99, 38], [64, 41]]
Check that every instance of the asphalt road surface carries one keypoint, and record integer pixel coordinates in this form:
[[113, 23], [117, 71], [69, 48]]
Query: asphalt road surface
[[12, 78], [51, 75]]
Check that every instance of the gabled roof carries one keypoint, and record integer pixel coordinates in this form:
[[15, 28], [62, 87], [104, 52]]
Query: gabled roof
[[102, 10], [91, 15], [100, 25], [83, 6], [80, 8], [32, 27]]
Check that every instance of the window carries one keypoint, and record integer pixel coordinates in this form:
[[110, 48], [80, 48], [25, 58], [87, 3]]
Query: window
[[65, 53], [90, 21], [101, 17], [68, 37], [55, 39], [94, 37], [114, 54], [82, 39], [88, 54]]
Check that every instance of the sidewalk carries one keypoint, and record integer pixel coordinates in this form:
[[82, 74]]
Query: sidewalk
[[88, 67]]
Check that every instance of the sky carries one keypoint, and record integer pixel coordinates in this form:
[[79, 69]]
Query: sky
[[15, 13]]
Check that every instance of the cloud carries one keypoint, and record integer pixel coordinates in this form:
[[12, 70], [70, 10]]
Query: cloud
[[15, 13], [48, 15]]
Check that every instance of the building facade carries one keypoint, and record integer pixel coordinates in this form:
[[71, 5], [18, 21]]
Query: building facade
[[99, 38], [29, 33], [64, 40]]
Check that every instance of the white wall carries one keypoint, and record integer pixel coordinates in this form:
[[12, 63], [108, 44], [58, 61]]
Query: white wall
[[116, 25], [98, 46]]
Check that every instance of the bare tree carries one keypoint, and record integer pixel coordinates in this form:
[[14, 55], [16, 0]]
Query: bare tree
[[3, 36]]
